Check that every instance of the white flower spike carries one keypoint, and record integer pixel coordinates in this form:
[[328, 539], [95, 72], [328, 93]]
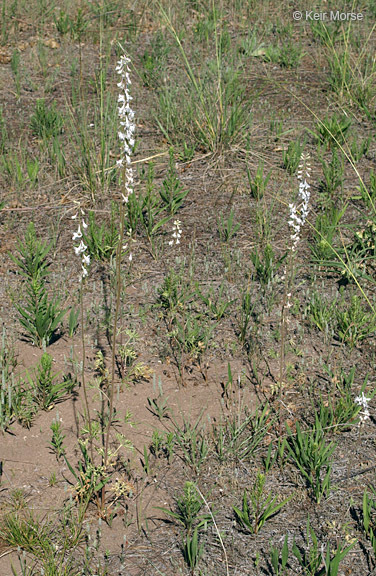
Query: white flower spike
[[176, 233], [127, 125], [82, 247], [363, 402], [298, 214]]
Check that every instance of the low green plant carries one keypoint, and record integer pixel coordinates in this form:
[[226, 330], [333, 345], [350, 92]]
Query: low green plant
[[13, 165], [286, 55], [311, 454], [189, 506], [9, 391], [217, 306], [32, 255], [10, 400], [62, 22], [15, 65], [340, 411], [322, 313], [333, 174], [250, 45], [247, 308], [355, 322], [368, 193], [259, 182], [279, 559], [130, 370], [359, 148], [192, 111], [172, 193], [159, 406], [3, 133], [227, 229], [44, 385], [40, 316], [58, 157], [73, 321], [266, 263], [190, 336], [90, 478], [101, 239], [32, 168], [369, 515], [49, 546], [325, 233], [292, 156], [191, 439], [57, 440], [326, 34], [352, 75], [27, 532], [270, 459], [290, 54], [331, 563], [363, 245], [153, 61], [355, 260], [46, 122], [311, 557], [332, 131], [174, 294], [151, 209], [156, 446], [242, 434], [186, 152], [257, 507], [79, 25], [162, 445], [193, 549]]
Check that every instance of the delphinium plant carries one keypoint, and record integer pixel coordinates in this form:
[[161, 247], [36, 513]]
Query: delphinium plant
[[298, 215], [127, 140], [81, 250], [93, 475]]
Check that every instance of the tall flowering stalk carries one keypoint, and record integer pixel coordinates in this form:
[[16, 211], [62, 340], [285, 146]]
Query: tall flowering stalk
[[176, 233], [80, 250], [298, 215], [126, 137], [127, 125]]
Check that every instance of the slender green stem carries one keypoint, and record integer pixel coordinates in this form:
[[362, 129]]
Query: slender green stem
[[86, 400], [114, 336]]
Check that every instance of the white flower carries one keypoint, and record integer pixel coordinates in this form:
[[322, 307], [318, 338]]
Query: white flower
[[298, 215], [80, 249], [176, 233], [77, 234], [126, 121], [86, 259], [363, 402]]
